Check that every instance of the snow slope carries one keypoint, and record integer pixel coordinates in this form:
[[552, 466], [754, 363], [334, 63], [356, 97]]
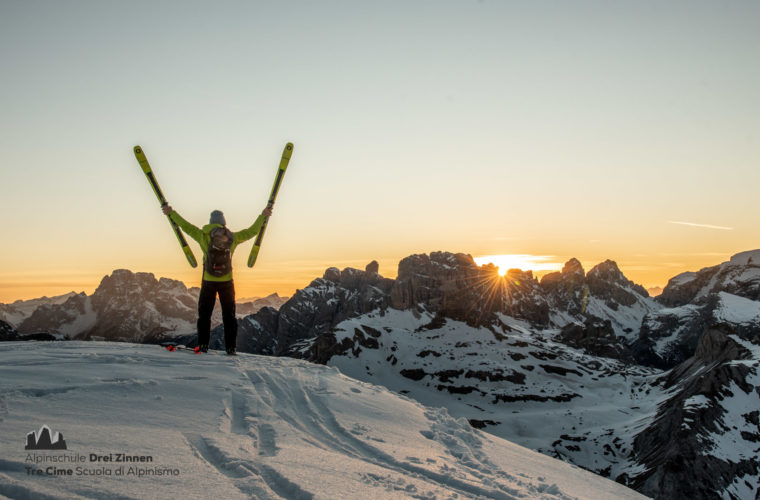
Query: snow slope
[[247, 427], [516, 383]]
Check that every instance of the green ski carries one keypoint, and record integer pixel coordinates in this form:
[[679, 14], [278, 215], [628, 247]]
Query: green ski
[[140, 154], [286, 153]]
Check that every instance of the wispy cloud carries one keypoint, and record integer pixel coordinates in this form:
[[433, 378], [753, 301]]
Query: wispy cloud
[[707, 226]]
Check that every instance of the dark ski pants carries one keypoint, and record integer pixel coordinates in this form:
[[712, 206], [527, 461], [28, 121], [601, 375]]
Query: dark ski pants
[[206, 301]]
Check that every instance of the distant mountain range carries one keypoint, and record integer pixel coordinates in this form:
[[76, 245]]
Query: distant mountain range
[[126, 306], [661, 394]]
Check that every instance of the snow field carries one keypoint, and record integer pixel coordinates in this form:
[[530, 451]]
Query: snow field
[[250, 427]]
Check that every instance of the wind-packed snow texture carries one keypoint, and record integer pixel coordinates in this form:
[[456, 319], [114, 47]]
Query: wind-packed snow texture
[[247, 427]]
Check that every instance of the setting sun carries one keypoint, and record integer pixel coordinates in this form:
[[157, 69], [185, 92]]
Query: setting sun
[[525, 262]]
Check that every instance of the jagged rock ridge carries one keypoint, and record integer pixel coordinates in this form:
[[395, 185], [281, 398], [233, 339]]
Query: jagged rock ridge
[[127, 306]]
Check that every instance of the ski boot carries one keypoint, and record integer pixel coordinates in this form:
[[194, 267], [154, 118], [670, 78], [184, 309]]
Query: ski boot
[[232, 351]]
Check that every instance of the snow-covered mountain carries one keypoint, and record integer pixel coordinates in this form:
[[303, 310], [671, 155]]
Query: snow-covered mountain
[[729, 292], [548, 365], [148, 423], [453, 286], [252, 305], [126, 306], [18, 311]]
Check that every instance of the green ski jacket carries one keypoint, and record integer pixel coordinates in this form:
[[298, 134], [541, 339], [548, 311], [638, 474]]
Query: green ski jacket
[[203, 237]]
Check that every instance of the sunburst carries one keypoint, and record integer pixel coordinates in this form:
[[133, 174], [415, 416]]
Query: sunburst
[[525, 262]]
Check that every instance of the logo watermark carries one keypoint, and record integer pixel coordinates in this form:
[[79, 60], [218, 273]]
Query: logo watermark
[[45, 439], [85, 464]]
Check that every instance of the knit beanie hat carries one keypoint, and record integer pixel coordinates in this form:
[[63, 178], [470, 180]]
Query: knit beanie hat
[[217, 217]]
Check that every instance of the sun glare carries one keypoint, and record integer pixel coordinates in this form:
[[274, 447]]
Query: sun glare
[[525, 262]]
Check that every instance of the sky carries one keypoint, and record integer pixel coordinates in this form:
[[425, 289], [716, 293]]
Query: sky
[[591, 129]]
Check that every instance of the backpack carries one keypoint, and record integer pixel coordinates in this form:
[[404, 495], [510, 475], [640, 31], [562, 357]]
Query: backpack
[[218, 256]]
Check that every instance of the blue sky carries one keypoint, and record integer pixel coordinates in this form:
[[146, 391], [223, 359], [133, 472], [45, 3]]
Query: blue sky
[[547, 128]]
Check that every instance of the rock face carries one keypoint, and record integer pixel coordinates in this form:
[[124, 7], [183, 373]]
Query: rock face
[[7, 332], [607, 282], [727, 293], [14, 314], [311, 312], [703, 442], [125, 306], [604, 294], [453, 286], [567, 289], [596, 337], [59, 318], [136, 305], [739, 276]]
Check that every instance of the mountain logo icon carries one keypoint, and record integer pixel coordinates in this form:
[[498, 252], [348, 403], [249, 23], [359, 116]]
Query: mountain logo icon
[[45, 439]]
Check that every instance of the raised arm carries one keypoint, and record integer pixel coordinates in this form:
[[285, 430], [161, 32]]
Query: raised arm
[[247, 234], [188, 228]]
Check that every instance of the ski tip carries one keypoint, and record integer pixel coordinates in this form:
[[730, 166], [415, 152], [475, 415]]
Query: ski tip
[[137, 150], [288, 150], [254, 255]]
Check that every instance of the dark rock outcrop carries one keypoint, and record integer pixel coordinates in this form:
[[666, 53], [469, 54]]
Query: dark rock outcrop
[[604, 293], [608, 283], [312, 311], [442, 284], [7, 332], [455, 287], [675, 450], [596, 337], [566, 288]]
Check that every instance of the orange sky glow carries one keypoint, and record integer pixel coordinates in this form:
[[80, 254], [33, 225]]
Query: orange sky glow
[[538, 130]]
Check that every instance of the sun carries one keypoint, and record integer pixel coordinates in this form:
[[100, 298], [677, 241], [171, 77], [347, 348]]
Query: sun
[[525, 262]]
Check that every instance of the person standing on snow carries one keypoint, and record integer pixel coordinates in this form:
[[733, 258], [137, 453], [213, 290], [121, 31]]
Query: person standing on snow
[[218, 244]]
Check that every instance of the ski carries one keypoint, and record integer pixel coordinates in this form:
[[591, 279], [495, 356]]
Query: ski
[[179, 347], [286, 153], [143, 161]]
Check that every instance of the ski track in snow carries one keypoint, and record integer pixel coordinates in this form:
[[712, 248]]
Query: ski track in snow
[[252, 427]]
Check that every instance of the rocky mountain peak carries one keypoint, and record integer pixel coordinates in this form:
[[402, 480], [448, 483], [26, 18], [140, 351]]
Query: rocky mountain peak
[[124, 281], [573, 266], [607, 271], [565, 289], [423, 279], [316, 309], [748, 258], [372, 268], [740, 276], [607, 281]]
